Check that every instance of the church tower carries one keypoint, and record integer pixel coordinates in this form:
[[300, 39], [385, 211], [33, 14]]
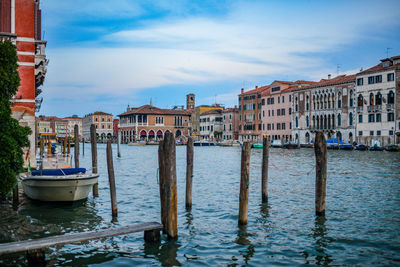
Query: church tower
[[190, 101]]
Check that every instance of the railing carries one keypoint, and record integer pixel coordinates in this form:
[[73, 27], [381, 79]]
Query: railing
[[359, 109], [374, 108], [389, 106], [5, 36]]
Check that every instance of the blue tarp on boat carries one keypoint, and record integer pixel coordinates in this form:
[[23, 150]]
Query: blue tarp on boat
[[58, 172]]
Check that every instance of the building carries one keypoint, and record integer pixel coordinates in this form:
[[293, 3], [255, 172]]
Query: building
[[103, 123], [61, 128], [43, 126], [71, 122], [250, 124], [115, 127], [230, 122], [196, 116], [377, 89], [328, 106], [276, 107], [148, 122], [211, 125], [20, 23]]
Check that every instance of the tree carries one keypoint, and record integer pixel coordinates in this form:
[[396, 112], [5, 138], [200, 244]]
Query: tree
[[13, 137]]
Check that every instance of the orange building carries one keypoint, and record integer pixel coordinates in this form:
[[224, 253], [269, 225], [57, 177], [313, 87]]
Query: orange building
[[20, 23], [148, 123]]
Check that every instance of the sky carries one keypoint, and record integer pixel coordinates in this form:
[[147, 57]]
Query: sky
[[105, 55]]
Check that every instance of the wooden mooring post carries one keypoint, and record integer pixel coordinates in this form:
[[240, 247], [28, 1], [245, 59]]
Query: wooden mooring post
[[41, 146], [264, 171], [189, 173], [64, 150], [76, 145], [69, 145], [320, 173], [94, 157], [83, 146], [48, 147], [167, 180], [118, 144], [244, 184], [111, 179]]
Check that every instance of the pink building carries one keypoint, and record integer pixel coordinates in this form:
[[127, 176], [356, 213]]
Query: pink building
[[277, 109]]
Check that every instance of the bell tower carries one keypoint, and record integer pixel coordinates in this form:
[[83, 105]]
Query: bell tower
[[190, 104]]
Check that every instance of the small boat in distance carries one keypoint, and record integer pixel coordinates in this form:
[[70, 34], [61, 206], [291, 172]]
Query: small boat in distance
[[257, 145], [138, 143], [152, 142], [392, 148], [290, 145], [360, 147], [276, 143]]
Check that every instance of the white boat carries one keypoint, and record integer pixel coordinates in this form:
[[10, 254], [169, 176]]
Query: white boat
[[56, 181], [68, 187], [230, 143], [138, 143]]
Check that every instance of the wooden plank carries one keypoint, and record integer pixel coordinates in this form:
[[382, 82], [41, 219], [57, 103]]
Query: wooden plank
[[78, 237]]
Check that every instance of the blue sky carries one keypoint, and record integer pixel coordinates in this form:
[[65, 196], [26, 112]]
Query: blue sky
[[106, 54]]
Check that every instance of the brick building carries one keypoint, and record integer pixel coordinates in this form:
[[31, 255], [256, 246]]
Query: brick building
[[148, 122], [20, 23], [103, 122], [230, 121]]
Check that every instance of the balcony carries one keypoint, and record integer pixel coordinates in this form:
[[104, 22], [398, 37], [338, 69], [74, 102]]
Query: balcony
[[360, 109], [40, 63], [5, 36], [389, 107], [374, 108]]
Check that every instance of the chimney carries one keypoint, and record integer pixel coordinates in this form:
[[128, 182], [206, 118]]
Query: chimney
[[242, 91], [256, 86], [329, 76]]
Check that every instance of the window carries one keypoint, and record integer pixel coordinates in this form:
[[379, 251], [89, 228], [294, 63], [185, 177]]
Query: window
[[96, 119], [307, 121], [290, 111], [224, 128], [290, 98], [263, 113], [339, 120], [390, 97], [360, 118], [290, 125], [351, 119], [269, 113], [102, 126], [390, 132], [283, 112], [378, 133], [283, 99], [240, 107], [297, 107], [278, 112], [272, 112], [378, 78], [371, 118], [371, 79], [268, 101], [371, 133], [360, 100], [268, 126], [378, 99], [230, 127], [230, 116], [378, 117], [278, 126], [390, 116], [360, 81], [283, 126], [263, 126], [360, 133], [272, 101], [102, 119], [390, 77], [109, 126], [279, 99], [297, 122], [339, 103]]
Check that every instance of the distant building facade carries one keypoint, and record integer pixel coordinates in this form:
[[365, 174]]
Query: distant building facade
[[327, 106], [151, 123], [378, 116], [196, 117], [103, 122], [230, 122], [211, 124], [71, 122]]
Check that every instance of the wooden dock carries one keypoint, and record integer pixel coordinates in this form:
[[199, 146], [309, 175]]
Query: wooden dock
[[41, 243]]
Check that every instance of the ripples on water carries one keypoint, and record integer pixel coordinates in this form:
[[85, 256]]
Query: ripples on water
[[361, 226]]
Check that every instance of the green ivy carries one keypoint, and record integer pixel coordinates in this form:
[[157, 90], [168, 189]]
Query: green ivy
[[13, 137]]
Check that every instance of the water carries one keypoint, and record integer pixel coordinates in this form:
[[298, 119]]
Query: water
[[362, 223]]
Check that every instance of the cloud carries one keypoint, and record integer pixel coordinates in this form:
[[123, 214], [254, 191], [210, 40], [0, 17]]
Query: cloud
[[249, 40]]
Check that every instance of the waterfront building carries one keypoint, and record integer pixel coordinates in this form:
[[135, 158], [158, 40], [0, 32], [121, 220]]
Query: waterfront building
[[230, 121], [276, 109], [250, 124], [103, 123], [43, 126], [211, 125], [61, 128], [377, 89], [115, 127], [20, 23], [151, 123], [197, 111], [71, 122], [328, 106]]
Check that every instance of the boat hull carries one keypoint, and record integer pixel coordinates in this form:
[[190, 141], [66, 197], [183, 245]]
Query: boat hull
[[59, 188]]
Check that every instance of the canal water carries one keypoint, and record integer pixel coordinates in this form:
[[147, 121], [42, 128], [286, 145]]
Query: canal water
[[361, 226]]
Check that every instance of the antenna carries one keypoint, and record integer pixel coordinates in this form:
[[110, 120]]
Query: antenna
[[338, 69], [387, 51]]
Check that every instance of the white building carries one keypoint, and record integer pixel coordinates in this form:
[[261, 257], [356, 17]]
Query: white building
[[327, 106], [71, 121], [376, 103], [211, 126]]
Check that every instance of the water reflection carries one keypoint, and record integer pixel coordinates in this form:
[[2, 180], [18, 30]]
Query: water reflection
[[189, 225], [242, 239], [322, 241]]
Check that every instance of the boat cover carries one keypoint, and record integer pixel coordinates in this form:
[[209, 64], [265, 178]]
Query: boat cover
[[58, 172]]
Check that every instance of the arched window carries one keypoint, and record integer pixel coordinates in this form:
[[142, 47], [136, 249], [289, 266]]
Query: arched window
[[314, 102], [297, 122], [307, 103], [371, 99], [350, 118], [325, 122], [307, 122], [307, 138], [321, 122], [329, 121], [351, 98], [317, 122], [360, 100], [339, 120], [333, 121], [339, 102], [378, 99], [313, 121], [390, 97]]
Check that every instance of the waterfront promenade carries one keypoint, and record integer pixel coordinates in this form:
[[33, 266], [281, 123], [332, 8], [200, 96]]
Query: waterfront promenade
[[360, 226]]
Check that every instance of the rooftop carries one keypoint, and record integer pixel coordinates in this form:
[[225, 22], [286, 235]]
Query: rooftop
[[148, 109]]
